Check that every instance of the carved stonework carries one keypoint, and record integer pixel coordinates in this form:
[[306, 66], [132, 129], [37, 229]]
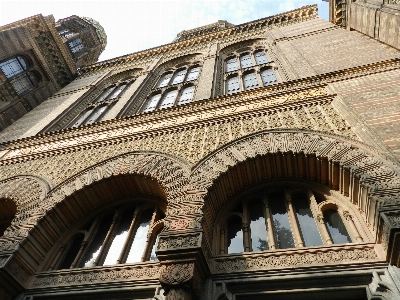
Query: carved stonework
[[179, 242], [383, 286]]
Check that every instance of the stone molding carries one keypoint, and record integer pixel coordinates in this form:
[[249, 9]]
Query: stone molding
[[275, 259]]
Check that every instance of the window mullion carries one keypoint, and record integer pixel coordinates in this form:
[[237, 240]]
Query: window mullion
[[223, 249], [86, 242], [128, 242], [353, 229], [150, 234], [246, 229], [240, 78], [293, 220], [109, 238], [269, 224], [319, 218]]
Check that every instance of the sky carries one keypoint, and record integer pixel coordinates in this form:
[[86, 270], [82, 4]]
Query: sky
[[135, 25]]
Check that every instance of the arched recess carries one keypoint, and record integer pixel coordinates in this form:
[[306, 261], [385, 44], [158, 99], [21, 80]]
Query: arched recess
[[165, 177], [355, 170]]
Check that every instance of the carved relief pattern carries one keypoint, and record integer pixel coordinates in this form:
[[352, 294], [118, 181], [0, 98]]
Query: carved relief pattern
[[176, 273], [292, 259], [96, 276], [179, 242]]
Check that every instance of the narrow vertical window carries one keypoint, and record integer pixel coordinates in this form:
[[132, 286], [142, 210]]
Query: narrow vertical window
[[232, 85], [250, 81], [103, 96], [268, 77], [307, 224], [235, 235], [283, 232], [169, 99], [152, 103], [186, 95], [82, 117], [231, 65], [245, 61], [117, 91], [336, 227], [259, 237], [164, 80], [139, 243], [260, 57], [97, 114], [179, 76], [193, 74]]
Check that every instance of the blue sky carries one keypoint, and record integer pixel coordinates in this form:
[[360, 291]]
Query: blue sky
[[134, 25]]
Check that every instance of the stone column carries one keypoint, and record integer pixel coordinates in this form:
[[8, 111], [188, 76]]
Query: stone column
[[293, 220], [319, 219], [270, 226], [352, 226]]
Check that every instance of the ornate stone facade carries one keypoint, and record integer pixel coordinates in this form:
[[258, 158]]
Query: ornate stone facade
[[195, 168]]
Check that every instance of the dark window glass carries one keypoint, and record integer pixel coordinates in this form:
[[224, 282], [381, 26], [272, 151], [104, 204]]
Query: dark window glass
[[117, 91], [83, 116], [186, 95], [308, 227], [179, 76], [22, 83], [268, 77], [260, 57], [235, 235], [72, 252], [233, 85], [250, 81], [97, 242], [193, 74], [98, 112], [336, 227], [282, 227], [245, 61], [231, 65], [152, 103], [165, 79], [169, 99], [259, 237], [137, 248], [104, 95]]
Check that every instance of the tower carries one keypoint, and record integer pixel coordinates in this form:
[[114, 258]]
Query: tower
[[250, 161]]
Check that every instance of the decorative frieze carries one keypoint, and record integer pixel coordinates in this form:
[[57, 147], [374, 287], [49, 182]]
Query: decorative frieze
[[183, 241]]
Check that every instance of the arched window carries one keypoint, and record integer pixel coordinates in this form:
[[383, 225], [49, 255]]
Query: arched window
[[17, 70], [255, 71], [8, 210], [182, 93], [282, 218], [98, 108], [127, 234]]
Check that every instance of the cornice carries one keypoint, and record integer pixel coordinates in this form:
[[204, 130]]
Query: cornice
[[192, 115], [298, 15]]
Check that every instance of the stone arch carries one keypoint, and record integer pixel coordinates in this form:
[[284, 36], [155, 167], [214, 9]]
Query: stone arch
[[357, 171], [34, 222]]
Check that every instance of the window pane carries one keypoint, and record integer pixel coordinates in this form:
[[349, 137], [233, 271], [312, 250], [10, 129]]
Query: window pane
[[72, 253], [153, 256], [245, 61], [120, 238], [97, 242], [83, 117], [268, 77], [164, 80], [308, 227], [169, 99], [75, 43], [179, 76], [152, 103], [231, 65], [97, 113], [104, 94], [259, 237], [282, 227], [193, 74], [12, 67], [336, 227], [117, 91], [250, 81], [21, 84], [186, 95], [77, 48], [233, 85], [235, 235], [261, 58], [139, 243]]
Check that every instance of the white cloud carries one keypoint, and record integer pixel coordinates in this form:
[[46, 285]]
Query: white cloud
[[135, 25]]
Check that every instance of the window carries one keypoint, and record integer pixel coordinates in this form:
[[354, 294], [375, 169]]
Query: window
[[127, 234], [75, 45], [98, 108], [254, 71], [173, 88], [283, 218], [17, 70]]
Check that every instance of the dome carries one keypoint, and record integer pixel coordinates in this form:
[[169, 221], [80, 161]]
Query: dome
[[101, 34]]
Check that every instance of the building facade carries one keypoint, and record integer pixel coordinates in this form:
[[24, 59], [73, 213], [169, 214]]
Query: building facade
[[252, 161]]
